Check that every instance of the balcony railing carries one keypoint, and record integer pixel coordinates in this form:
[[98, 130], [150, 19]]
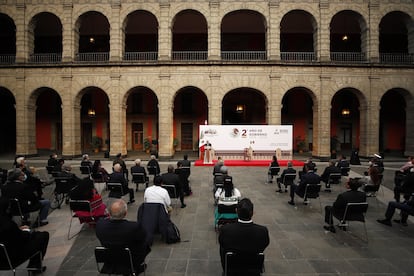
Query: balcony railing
[[353, 57], [140, 56], [7, 59], [189, 55], [46, 58], [243, 55], [397, 58], [298, 56], [92, 57]]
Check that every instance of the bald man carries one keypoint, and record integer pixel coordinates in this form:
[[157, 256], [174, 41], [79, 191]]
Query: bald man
[[119, 232]]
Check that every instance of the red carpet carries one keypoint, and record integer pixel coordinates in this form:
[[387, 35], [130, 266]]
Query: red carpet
[[257, 163]]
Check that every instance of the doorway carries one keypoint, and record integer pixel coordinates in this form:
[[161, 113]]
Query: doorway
[[186, 136], [137, 136], [86, 137]]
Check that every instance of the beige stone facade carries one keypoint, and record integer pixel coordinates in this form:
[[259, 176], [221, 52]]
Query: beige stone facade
[[214, 77]]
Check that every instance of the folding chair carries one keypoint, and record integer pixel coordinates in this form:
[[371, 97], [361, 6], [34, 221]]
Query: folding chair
[[172, 191], [287, 180], [243, 263], [16, 210], [333, 178], [62, 189], [227, 213], [50, 169], [85, 170], [7, 264], [353, 212], [98, 178], [345, 171], [312, 191], [139, 178], [273, 172], [80, 205], [115, 190], [115, 261]]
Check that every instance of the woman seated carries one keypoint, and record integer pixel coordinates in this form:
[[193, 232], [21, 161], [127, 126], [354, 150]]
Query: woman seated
[[372, 180], [86, 191], [226, 196], [98, 170]]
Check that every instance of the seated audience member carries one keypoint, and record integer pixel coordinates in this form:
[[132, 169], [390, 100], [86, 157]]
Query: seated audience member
[[343, 163], [331, 168], [170, 178], [67, 172], [52, 161], [21, 243], [139, 169], [243, 236], [97, 170], [288, 170], [372, 180], [34, 182], [86, 162], [408, 165], [118, 177], [119, 160], [407, 208], [400, 175], [157, 194], [118, 232], [29, 202], [304, 170], [273, 164], [185, 172], [86, 191], [406, 187], [220, 179], [152, 166], [59, 165], [310, 177], [226, 195], [217, 166], [338, 207]]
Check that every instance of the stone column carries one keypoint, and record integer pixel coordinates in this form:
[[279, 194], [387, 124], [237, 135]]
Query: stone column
[[322, 122], [165, 116], [68, 50], [214, 32], [372, 33], [164, 33], [117, 118], [274, 105], [273, 31], [22, 51], [323, 50], [409, 128], [115, 32], [214, 105]]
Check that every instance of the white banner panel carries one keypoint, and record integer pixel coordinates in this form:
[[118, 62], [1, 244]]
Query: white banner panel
[[259, 138]]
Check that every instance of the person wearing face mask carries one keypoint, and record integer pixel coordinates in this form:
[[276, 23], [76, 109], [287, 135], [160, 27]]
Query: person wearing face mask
[[29, 202]]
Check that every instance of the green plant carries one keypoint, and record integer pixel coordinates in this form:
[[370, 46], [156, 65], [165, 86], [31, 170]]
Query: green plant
[[175, 142], [96, 142], [147, 144], [300, 143]]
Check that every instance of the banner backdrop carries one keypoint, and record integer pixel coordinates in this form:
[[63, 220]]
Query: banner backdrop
[[265, 138]]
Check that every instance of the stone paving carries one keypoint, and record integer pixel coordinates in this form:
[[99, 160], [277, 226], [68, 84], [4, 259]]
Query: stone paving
[[298, 243]]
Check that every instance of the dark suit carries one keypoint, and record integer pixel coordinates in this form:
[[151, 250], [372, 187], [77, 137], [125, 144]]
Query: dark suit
[[28, 200], [173, 179], [123, 233], [285, 171], [139, 169], [307, 178], [242, 237], [328, 170], [118, 177], [20, 244], [338, 208], [153, 163]]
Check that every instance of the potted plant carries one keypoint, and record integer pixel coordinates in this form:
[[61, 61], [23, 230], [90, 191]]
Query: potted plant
[[300, 144], [147, 145], [175, 142], [96, 143]]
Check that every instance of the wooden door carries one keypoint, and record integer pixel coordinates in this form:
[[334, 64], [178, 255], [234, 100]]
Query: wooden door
[[186, 136], [137, 136]]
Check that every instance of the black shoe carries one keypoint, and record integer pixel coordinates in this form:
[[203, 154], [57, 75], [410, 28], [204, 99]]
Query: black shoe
[[183, 205], [329, 228], [279, 191], [403, 223], [142, 268], [286, 190], [385, 222], [38, 271], [291, 202], [131, 201]]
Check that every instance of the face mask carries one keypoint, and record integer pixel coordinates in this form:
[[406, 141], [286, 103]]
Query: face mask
[[412, 170], [24, 177], [370, 163]]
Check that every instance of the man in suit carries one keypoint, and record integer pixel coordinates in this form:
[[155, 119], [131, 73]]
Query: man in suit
[[184, 172], [117, 232], [21, 243], [121, 162], [327, 172], [338, 207], [170, 178], [139, 169], [343, 165], [243, 236], [118, 177], [310, 177], [288, 170]]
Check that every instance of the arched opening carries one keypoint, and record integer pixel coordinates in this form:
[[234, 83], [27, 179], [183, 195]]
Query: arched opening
[[189, 36], [141, 36], [7, 121], [297, 110], [244, 106], [95, 131], [8, 39], [190, 111], [142, 119], [48, 120]]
